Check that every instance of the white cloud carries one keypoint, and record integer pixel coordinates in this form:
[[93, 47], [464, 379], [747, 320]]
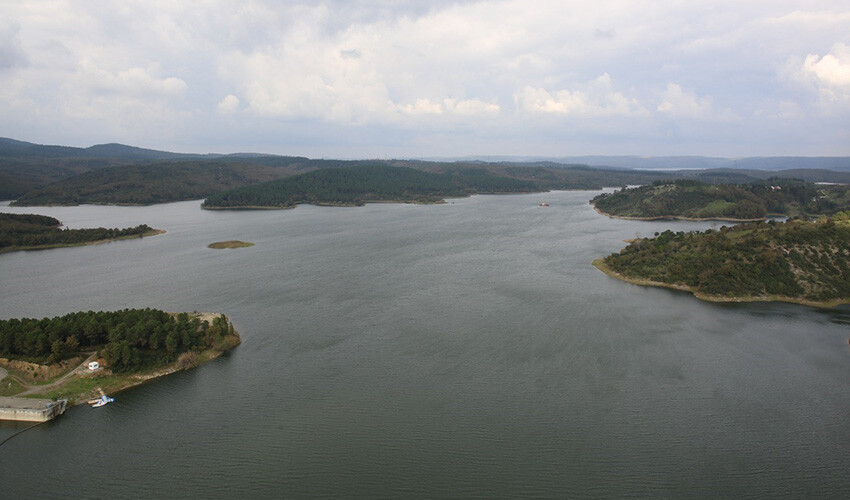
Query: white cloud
[[466, 107], [422, 107], [229, 104], [830, 71], [133, 82], [594, 99], [828, 76], [677, 102]]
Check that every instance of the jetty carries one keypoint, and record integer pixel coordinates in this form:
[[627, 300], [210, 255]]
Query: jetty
[[31, 410]]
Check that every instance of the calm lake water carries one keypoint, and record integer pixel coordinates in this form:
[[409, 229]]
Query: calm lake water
[[458, 350]]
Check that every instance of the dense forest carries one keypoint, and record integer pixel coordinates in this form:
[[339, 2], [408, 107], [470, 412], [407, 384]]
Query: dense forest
[[29, 231], [796, 259], [149, 184], [694, 199], [128, 340], [363, 183]]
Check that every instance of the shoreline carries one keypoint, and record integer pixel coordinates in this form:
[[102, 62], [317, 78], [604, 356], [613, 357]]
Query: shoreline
[[441, 201], [677, 217], [325, 204], [599, 264]]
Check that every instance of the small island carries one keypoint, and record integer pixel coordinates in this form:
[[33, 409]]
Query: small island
[[230, 244], [38, 232], [796, 261], [51, 357], [695, 200]]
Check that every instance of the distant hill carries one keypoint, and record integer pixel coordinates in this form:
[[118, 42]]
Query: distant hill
[[25, 166], [11, 148], [773, 163], [149, 184], [46, 174]]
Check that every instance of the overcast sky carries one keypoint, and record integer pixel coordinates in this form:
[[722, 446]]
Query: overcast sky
[[375, 79]]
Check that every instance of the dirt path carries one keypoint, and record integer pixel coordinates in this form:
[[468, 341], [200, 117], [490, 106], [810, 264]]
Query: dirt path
[[33, 389]]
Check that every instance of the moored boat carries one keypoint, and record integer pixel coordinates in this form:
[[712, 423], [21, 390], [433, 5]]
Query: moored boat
[[101, 401]]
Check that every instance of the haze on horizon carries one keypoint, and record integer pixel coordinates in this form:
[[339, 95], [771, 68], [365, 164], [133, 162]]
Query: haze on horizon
[[360, 79]]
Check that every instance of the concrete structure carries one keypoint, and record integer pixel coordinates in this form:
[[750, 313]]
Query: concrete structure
[[31, 410]]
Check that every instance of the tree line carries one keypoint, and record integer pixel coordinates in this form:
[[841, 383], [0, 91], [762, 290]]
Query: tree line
[[33, 231], [127, 339]]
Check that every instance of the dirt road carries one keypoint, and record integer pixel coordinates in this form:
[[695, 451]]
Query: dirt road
[[34, 389]]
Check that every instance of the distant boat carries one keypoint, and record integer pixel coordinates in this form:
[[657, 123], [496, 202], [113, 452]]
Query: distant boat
[[544, 204]]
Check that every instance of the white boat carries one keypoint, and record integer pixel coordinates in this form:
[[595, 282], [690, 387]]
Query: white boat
[[101, 401]]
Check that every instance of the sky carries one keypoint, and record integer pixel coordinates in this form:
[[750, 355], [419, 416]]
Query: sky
[[415, 78]]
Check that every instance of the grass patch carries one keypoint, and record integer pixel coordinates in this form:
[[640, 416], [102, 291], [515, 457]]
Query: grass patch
[[80, 388], [10, 387], [714, 208]]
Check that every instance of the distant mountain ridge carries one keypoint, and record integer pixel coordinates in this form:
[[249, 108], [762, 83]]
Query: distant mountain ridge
[[117, 173], [836, 163], [11, 148]]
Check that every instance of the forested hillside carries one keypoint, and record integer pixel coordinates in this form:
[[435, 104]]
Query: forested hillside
[[149, 184], [796, 260], [363, 183], [693, 199], [30, 232], [37, 174]]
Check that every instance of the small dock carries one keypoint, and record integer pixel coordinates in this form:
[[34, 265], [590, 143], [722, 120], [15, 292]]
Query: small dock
[[31, 410]]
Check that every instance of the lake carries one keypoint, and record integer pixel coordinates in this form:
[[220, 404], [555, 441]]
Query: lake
[[467, 349]]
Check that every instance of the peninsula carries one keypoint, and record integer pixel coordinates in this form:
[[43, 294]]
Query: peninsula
[[357, 185], [37, 232], [796, 261], [694, 200], [49, 357]]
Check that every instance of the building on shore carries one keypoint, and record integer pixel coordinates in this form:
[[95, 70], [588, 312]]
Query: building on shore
[[31, 410]]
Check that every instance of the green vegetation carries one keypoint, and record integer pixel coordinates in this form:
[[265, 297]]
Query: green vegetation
[[76, 388], [693, 199], [34, 232], [230, 244], [128, 340], [359, 184], [148, 184], [9, 386], [794, 261]]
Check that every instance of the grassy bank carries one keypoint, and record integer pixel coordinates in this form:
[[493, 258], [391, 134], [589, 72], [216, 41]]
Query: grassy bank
[[82, 388]]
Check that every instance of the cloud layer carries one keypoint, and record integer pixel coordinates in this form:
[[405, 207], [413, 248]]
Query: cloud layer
[[404, 78]]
